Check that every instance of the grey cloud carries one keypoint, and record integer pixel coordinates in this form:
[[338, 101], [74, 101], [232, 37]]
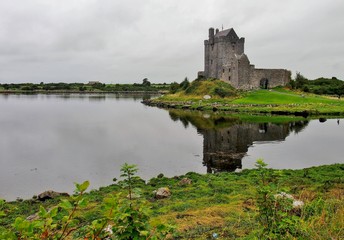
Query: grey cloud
[[125, 41]]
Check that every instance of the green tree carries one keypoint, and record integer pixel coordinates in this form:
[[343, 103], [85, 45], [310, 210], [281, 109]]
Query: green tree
[[174, 87], [184, 84], [300, 80], [340, 91], [145, 82]]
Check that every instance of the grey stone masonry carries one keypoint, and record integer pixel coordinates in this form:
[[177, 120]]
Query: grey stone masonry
[[224, 59]]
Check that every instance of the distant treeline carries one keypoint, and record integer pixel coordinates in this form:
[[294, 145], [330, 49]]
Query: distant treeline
[[327, 86], [145, 86]]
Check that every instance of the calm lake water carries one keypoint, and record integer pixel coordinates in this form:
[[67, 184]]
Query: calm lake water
[[51, 141]]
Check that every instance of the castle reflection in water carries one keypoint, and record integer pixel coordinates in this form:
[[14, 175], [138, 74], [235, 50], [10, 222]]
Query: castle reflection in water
[[226, 139]]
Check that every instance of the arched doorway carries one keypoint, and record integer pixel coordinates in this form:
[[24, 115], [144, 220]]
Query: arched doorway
[[264, 83]]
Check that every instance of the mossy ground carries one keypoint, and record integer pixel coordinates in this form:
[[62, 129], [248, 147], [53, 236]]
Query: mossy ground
[[225, 203]]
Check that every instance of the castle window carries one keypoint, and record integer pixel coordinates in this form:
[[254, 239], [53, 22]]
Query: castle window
[[229, 78], [229, 70], [223, 70], [211, 61]]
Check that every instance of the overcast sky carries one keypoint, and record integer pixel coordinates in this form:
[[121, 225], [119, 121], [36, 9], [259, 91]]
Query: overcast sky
[[124, 41]]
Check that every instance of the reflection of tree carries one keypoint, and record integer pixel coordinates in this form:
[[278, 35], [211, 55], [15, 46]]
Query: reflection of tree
[[299, 126], [202, 120], [226, 139]]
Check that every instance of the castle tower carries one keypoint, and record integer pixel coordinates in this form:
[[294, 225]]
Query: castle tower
[[224, 59], [220, 54]]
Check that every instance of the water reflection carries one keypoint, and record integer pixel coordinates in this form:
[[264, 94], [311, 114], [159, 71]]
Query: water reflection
[[226, 139], [50, 141]]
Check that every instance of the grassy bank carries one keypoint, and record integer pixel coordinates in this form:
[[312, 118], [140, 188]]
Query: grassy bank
[[225, 205], [275, 101]]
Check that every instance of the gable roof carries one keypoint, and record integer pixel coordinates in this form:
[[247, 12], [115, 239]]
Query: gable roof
[[225, 33]]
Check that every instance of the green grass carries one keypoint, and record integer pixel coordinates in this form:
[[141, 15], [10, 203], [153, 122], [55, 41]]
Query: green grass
[[224, 203], [199, 88], [276, 101], [278, 96]]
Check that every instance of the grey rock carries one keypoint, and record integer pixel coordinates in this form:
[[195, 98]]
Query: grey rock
[[50, 195], [185, 181], [296, 203], [161, 193]]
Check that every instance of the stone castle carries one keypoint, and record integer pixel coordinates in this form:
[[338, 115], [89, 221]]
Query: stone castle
[[225, 59]]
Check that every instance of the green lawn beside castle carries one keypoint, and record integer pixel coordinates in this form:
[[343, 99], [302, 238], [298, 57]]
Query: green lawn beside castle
[[225, 98], [281, 96]]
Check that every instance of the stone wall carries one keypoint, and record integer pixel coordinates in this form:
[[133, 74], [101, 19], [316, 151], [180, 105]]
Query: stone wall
[[275, 77], [244, 73]]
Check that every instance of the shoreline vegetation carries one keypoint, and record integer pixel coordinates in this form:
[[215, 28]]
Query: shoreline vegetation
[[300, 98], [89, 88], [215, 95], [224, 205]]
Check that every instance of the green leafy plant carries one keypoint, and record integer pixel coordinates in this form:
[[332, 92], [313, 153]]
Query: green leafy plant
[[275, 215], [128, 172], [132, 217], [58, 223]]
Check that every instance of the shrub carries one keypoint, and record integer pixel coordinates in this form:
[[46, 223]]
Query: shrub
[[174, 87], [221, 92], [275, 214], [184, 84]]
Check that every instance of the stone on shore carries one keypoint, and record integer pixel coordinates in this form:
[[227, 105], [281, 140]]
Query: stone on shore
[[161, 193], [185, 181], [50, 195]]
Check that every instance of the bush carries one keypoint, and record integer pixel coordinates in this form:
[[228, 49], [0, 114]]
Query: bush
[[174, 87], [145, 82], [221, 92], [184, 84], [275, 213]]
